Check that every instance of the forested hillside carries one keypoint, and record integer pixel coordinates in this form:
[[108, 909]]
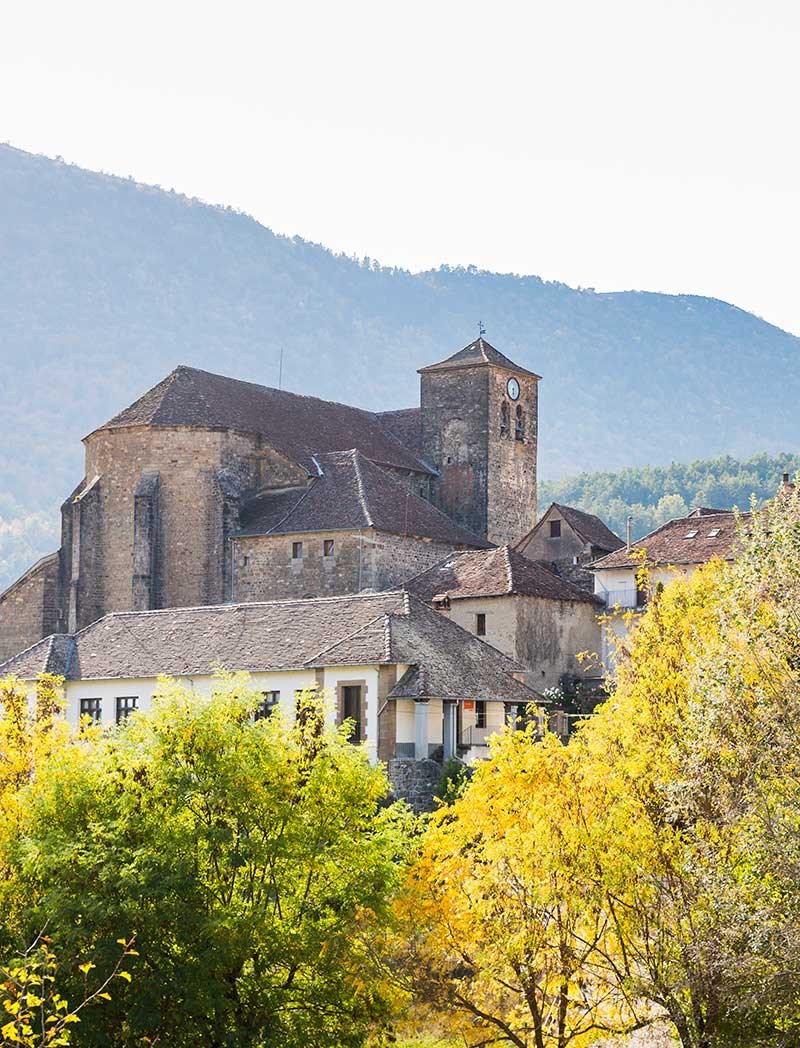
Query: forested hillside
[[653, 495], [106, 285]]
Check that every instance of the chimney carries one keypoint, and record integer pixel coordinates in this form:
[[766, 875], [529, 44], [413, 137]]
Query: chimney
[[785, 479], [629, 533]]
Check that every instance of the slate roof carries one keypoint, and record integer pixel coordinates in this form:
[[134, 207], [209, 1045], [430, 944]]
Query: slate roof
[[715, 535], [589, 528], [406, 425], [370, 628], [493, 573], [350, 493], [478, 353], [298, 427]]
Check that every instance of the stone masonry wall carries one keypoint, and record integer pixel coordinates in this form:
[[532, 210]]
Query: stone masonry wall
[[264, 569], [455, 406], [511, 498], [414, 781], [28, 608], [398, 558], [190, 539], [564, 547]]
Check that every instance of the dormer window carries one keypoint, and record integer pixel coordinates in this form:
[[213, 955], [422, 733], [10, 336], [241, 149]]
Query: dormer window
[[519, 424], [504, 418]]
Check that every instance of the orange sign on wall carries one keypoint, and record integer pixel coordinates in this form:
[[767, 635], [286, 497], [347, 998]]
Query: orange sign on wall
[[469, 704]]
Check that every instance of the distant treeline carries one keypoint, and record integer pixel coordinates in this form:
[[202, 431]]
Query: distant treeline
[[655, 494]]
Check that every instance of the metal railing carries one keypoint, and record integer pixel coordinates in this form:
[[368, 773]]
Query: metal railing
[[623, 598], [473, 737]]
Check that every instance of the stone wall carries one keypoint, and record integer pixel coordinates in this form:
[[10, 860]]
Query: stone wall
[[511, 496], [397, 558], [264, 569], [488, 477], [545, 636], [190, 541], [564, 547], [29, 607], [414, 781], [550, 636], [455, 410]]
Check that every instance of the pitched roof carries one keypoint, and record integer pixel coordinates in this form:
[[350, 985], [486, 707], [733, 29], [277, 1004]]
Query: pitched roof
[[493, 573], [298, 427], [376, 628], [687, 540], [589, 528], [350, 493], [406, 425], [476, 354]]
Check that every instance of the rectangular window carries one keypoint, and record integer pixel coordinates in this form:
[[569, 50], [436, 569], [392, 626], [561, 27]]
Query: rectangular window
[[480, 624], [297, 551], [92, 708], [555, 529], [126, 704], [327, 548], [480, 713], [351, 710], [269, 700]]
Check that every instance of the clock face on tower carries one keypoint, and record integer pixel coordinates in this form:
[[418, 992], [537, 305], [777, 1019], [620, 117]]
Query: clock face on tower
[[512, 388]]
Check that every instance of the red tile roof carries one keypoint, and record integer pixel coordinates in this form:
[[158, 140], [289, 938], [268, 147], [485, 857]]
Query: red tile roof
[[688, 540], [493, 573]]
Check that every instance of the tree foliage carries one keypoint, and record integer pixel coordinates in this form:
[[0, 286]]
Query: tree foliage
[[36, 1014], [254, 862], [650, 870], [652, 495]]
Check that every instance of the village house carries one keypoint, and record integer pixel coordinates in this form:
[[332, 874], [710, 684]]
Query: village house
[[674, 550], [417, 687], [566, 540], [541, 621]]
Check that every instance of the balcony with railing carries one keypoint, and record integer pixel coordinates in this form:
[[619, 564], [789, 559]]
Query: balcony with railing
[[625, 599]]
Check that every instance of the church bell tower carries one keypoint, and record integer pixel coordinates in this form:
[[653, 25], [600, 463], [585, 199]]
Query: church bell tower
[[479, 430]]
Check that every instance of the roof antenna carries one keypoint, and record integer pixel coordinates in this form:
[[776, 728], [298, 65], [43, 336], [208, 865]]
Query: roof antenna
[[481, 329], [280, 371]]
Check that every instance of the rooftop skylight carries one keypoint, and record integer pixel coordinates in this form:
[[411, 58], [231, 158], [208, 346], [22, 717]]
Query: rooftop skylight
[[690, 535]]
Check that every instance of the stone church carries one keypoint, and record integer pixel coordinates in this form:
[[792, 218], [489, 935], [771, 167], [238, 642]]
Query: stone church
[[208, 490]]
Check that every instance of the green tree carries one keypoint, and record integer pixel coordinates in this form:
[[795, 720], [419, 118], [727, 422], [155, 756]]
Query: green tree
[[254, 861], [36, 1015]]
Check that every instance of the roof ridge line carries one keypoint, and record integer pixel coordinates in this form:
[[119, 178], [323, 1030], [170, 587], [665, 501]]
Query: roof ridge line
[[289, 512], [509, 569], [362, 496], [348, 636]]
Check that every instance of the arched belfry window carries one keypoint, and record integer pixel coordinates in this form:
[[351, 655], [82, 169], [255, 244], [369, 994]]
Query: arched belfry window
[[519, 424], [503, 418]]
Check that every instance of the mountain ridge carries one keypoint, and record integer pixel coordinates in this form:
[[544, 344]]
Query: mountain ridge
[[106, 284]]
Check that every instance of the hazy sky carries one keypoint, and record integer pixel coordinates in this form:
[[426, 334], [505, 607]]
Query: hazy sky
[[644, 144]]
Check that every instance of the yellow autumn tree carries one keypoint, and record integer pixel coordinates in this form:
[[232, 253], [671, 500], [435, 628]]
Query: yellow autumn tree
[[510, 938]]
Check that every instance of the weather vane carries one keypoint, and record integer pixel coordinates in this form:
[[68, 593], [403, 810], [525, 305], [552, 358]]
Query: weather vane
[[481, 329]]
